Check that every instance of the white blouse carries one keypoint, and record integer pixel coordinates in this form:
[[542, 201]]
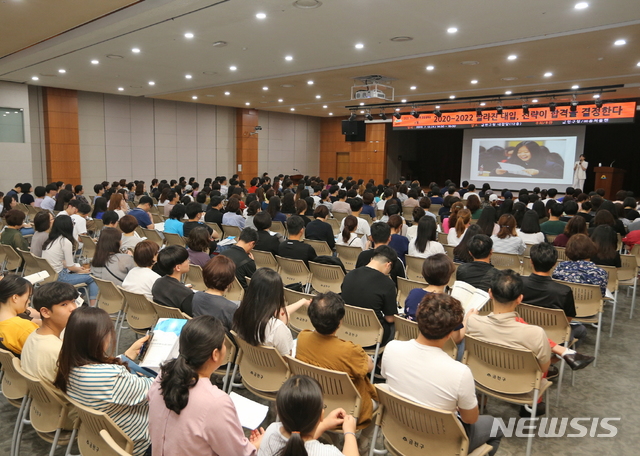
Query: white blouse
[[60, 254]]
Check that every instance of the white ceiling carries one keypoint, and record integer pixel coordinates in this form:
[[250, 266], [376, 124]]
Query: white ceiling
[[547, 35]]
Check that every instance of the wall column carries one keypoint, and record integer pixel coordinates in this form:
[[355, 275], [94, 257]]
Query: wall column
[[61, 137], [246, 143]]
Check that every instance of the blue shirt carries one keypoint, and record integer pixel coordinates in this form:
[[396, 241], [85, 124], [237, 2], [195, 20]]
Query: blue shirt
[[369, 210], [413, 301], [584, 272], [144, 220], [400, 244], [174, 226]]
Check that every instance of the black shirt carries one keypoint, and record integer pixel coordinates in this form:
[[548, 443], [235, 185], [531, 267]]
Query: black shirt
[[245, 266], [396, 271], [297, 250], [318, 230], [477, 274], [169, 292], [585, 216], [267, 243], [542, 291], [370, 289], [188, 226], [616, 261], [213, 216], [215, 306]]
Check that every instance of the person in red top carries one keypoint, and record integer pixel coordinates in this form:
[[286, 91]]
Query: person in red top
[[632, 238], [254, 185]]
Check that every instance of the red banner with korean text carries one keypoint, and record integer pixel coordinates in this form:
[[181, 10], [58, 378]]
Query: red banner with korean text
[[584, 114]]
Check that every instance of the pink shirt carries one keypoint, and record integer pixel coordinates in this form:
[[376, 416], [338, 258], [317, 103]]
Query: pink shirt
[[208, 425]]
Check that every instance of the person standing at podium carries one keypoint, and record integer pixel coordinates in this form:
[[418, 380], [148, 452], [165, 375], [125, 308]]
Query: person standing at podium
[[580, 173]]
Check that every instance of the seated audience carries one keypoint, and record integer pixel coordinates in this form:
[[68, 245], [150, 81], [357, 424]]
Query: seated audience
[[507, 239], [110, 219], [262, 316], [142, 278], [168, 290], [323, 349], [201, 418], [417, 214], [363, 228], [273, 209], [232, 215], [108, 263], [240, 253], [341, 204], [487, 221], [529, 230], [11, 234], [173, 198], [398, 242], [380, 235], [268, 241], [461, 251], [606, 241], [194, 214], [141, 213], [55, 301], [99, 206], [348, 235], [302, 421], [369, 287], [293, 247], [198, 246], [580, 269], [577, 225], [252, 210], [15, 314], [215, 212], [463, 220], [480, 271], [554, 226], [453, 389], [175, 223], [42, 223], [319, 229], [130, 238], [426, 242], [218, 275], [91, 376]]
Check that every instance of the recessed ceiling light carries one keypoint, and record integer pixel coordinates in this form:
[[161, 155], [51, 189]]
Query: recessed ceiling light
[[287, 86], [121, 89], [233, 68], [361, 104], [452, 30], [361, 112], [34, 78], [413, 87], [596, 96], [219, 44], [638, 64], [151, 83], [330, 113], [620, 42], [469, 62], [194, 97], [359, 46], [227, 93], [247, 103], [474, 81], [307, 4], [265, 88], [325, 106], [114, 56], [261, 16], [400, 39], [403, 100], [483, 104], [288, 58], [318, 97], [437, 107], [188, 35], [512, 57], [430, 68], [452, 97], [310, 82], [135, 50], [508, 92], [95, 62], [581, 5], [280, 100], [509, 78], [188, 76], [535, 100], [574, 87], [293, 109], [548, 74], [398, 109], [62, 71]]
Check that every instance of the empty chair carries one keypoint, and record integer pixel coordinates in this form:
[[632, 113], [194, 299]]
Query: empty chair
[[414, 268], [293, 271], [12, 259], [155, 217], [335, 225], [321, 247], [174, 239], [325, 277], [264, 260], [112, 301], [30, 264], [628, 276], [140, 313], [348, 255], [407, 213], [339, 216], [443, 238], [14, 389], [506, 261], [153, 236], [448, 250], [562, 253], [435, 208], [194, 278], [88, 247]]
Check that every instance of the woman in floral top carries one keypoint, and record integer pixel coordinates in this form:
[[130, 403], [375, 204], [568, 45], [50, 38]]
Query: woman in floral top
[[580, 269]]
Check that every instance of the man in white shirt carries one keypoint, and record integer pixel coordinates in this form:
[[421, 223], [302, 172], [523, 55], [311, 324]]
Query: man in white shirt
[[49, 203], [408, 367]]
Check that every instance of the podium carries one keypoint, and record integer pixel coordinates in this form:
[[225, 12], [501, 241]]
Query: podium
[[610, 179]]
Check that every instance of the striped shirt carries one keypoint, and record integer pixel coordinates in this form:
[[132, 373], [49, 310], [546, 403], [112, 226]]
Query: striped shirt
[[111, 389]]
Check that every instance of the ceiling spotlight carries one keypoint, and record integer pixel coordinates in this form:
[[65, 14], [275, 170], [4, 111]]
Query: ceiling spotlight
[[293, 109], [452, 30], [413, 87], [620, 42], [325, 106], [397, 115], [233, 68], [535, 100], [398, 109], [318, 97], [596, 95], [35, 78], [135, 50], [310, 82], [512, 57], [548, 74], [330, 113], [581, 5], [383, 116], [227, 93], [452, 97], [194, 97], [598, 103], [362, 112], [352, 117], [188, 35], [437, 107], [361, 104], [437, 113], [552, 106], [151, 83], [280, 100], [95, 62], [288, 58], [261, 16], [121, 89], [499, 109], [483, 104], [574, 106], [265, 88], [474, 81], [359, 46], [525, 109], [247, 103], [508, 92], [430, 68], [188, 76], [61, 71], [404, 100], [368, 116]]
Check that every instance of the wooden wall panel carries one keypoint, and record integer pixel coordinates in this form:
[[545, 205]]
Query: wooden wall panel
[[246, 143], [62, 140], [368, 158]]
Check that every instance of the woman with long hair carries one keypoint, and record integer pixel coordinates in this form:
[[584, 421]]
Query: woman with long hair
[[99, 207], [450, 222], [58, 249], [398, 242], [201, 418], [606, 241], [425, 243], [577, 225], [62, 198], [15, 294], [274, 210], [262, 316], [348, 235], [474, 206], [300, 408], [529, 230], [507, 239], [288, 203], [463, 220], [487, 221], [461, 251], [164, 195], [534, 160], [108, 263], [506, 207], [141, 190], [90, 375], [118, 205], [539, 208]]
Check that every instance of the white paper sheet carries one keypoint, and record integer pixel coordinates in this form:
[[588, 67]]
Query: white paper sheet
[[514, 169], [469, 296], [251, 413]]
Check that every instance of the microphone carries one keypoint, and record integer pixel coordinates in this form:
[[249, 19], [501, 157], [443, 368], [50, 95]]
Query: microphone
[[299, 170], [611, 165]]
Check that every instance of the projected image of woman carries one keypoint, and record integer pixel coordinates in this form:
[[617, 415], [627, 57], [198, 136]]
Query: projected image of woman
[[535, 162]]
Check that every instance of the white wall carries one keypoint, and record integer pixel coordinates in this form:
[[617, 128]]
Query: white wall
[[288, 142], [16, 163], [141, 138]]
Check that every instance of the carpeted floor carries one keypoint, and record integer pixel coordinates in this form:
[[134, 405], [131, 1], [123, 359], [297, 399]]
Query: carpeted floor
[[607, 390]]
